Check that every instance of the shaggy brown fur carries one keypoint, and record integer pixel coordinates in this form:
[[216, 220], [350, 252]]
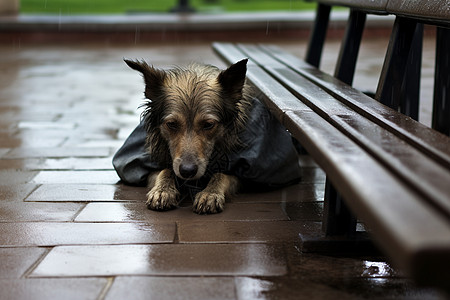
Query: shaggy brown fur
[[191, 112]]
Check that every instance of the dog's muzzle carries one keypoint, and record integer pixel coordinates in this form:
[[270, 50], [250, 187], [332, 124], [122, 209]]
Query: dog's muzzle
[[189, 167], [188, 170]]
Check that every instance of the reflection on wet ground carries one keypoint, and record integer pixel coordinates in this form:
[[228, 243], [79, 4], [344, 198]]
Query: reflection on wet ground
[[70, 229]]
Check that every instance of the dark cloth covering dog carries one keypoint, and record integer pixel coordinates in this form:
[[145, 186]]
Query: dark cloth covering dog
[[265, 159]]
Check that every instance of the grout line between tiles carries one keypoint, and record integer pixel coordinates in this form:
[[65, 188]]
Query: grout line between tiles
[[176, 239], [79, 212], [106, 288], [37, 262], [31, 192]]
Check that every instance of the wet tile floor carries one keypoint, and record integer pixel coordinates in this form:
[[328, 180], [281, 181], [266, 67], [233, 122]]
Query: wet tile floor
[[70, 230]]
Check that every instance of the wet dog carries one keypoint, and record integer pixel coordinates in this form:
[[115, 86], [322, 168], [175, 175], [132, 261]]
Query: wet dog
[[190, 113]]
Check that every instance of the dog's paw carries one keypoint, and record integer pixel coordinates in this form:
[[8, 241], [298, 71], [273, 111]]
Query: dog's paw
[[162, 199], [209, 203]]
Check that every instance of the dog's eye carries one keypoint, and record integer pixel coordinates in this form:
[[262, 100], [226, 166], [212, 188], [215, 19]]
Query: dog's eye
[[208, 125], [172, 125]]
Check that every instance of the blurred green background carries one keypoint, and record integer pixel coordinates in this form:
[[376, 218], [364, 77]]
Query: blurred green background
[[66, 7]]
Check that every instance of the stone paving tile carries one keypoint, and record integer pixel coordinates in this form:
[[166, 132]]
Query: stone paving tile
[[323, 268], [45, 289], [32, 113], [303, 192], [306, 161], [354, 277], [75, 177], [164, 260], [172, 288], [51, 234], [4, 150], [94, 131], [137, 211], [239, 232], [15, 141], [309, 193], [311, 211], [78, 164], [42, 138], [87, 193], [35, 164], [45, 125], [23, 164], [16, 261], [286, 289], [312, 175], [57, 152], [21, 114], [383, 288], [112, 144], [18, 211], [16, 192], [12, 177]]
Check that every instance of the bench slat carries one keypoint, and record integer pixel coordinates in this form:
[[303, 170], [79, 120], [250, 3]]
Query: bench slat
[[378, 7], [430, 141], [414, 167], [428, 11], [434, 11]]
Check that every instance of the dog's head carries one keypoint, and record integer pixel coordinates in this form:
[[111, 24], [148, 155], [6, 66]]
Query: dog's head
[[192, 111]]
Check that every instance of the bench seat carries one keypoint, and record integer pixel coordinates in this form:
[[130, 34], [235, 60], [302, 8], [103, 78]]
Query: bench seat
[[391, 171]]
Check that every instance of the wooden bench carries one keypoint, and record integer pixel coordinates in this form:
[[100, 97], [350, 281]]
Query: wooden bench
[[382, 166]]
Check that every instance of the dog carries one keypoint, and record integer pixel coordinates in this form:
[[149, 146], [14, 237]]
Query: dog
[[190, 113]]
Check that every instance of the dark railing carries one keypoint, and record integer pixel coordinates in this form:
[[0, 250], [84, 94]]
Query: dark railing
[[183, 6]]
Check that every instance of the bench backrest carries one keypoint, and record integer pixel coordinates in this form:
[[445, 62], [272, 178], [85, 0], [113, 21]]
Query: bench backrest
[[399, 84], [428, 11]]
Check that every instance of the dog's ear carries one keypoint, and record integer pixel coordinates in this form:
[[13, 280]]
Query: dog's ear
[[153, 78], [232, 79]]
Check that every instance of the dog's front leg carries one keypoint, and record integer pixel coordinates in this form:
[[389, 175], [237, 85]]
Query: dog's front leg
[[163, 194], [212, 199]]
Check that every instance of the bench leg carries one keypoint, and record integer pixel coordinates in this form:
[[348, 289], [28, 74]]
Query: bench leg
[[441, 104], [318, 34], [389, 89], [410, 91], [348, 54], [337, 217]]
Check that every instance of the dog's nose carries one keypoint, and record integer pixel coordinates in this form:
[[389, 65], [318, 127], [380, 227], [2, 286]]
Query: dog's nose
[[188, 170]]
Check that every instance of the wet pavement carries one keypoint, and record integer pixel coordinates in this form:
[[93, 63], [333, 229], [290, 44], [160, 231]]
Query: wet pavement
[[70, 230]]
